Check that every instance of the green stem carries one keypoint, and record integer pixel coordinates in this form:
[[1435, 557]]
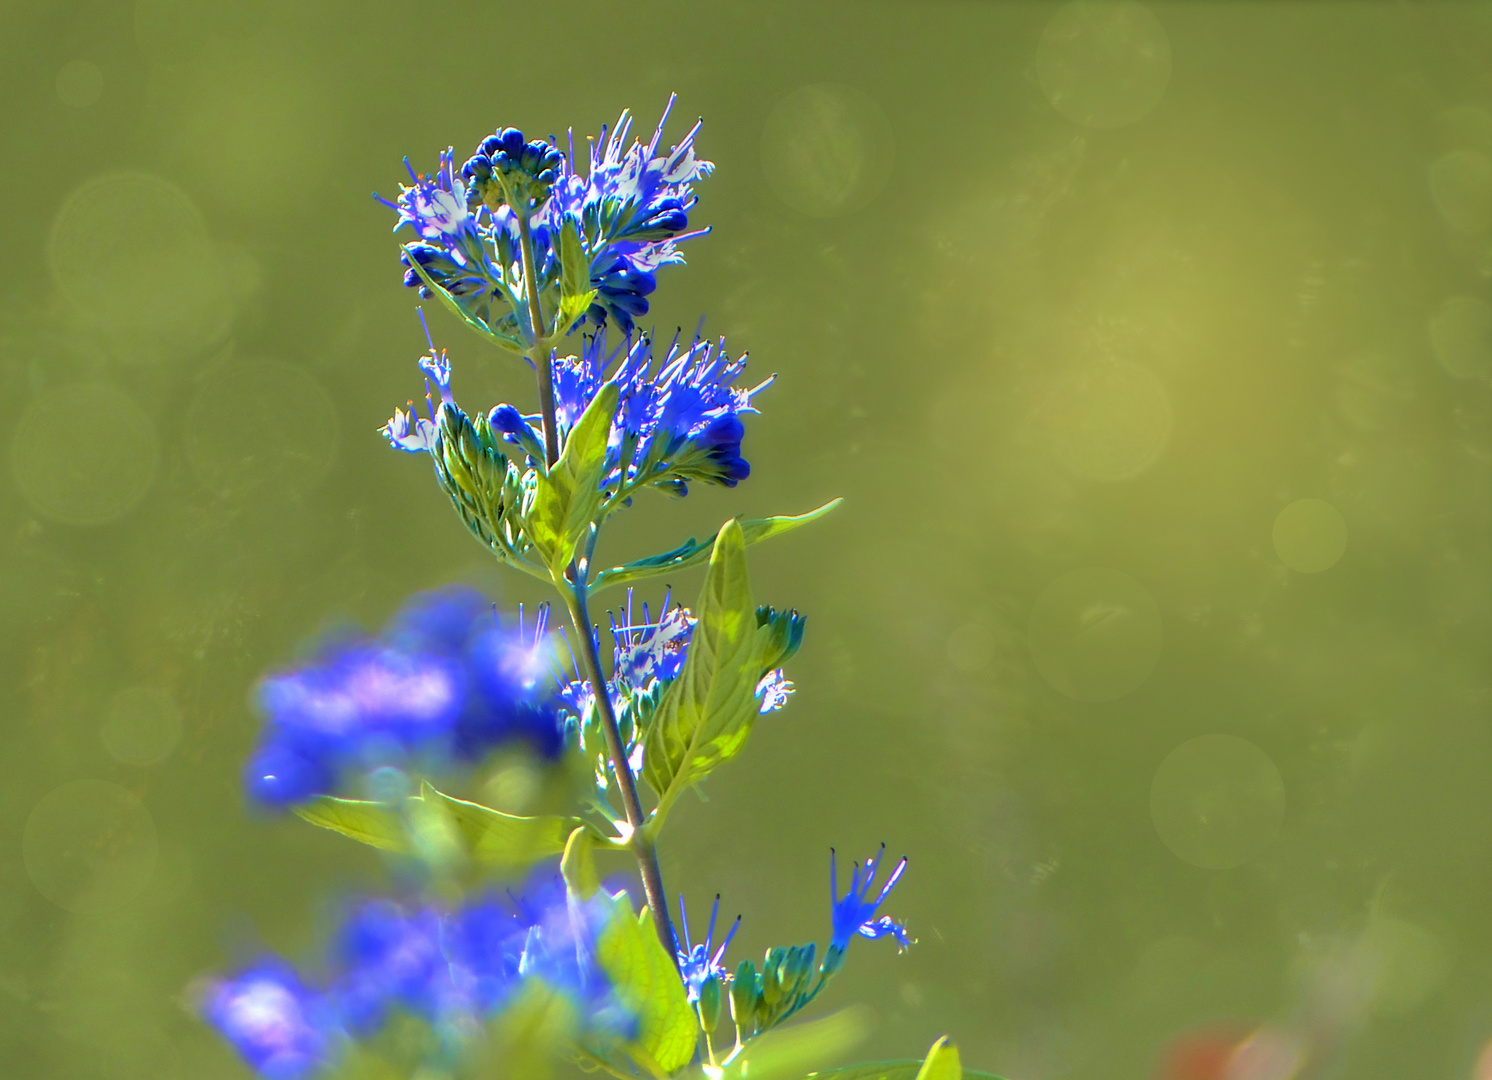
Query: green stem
[[640, 841], [538, 352]]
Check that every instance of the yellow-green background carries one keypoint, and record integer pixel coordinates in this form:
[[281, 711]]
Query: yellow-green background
[[1033, 308]]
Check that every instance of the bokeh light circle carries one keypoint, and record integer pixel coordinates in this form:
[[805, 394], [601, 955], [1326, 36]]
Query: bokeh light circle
[[1461, 337], [1108, 420], [1095, 634], [260, 426], [1217, 801], [1310, 535], [131, 254], [1103, 63], [79, 83], [1461, 185], [84, 454], [826, 149], [89, 846], [142, 727]]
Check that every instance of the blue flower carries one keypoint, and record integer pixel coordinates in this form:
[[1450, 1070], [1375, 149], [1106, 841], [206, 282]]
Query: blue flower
[[645, 650], [854, 913], [631, 209], [773, 691], [284, 1030], [391, 959], [696, 962], [509, 170], [446, 682], [675, 421]]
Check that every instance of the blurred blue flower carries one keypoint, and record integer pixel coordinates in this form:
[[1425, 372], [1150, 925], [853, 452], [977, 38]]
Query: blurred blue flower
[[453, 968], [447, 682], [284, 1030], [854, 913], [696, 962]]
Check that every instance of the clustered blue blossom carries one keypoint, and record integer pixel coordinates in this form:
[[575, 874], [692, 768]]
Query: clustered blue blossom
[[630, 209], [675, 421], [444, 684], [453, 968]]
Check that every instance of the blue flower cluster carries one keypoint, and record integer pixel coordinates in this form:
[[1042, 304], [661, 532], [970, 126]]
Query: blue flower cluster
[[675, 421], [698, 964], [452, 968], [444, 684], [630, 210]]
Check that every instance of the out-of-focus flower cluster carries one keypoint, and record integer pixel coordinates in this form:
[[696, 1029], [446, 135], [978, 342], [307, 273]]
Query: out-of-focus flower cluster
[[630, 210], [443, 685], [453, 968]]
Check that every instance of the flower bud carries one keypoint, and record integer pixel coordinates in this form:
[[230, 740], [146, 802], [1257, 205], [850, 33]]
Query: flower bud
[[709, 1003], [743, 994]]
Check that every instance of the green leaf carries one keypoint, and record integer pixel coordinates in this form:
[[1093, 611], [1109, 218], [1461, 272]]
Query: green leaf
[[496, 839], [692, 552], [900, 1070], [785, 1053], [372, 823], [512, 344], [430, 823], [648, 983], [708, 711], [578, 866], [576, 293], [941, 1062], [567, 499]]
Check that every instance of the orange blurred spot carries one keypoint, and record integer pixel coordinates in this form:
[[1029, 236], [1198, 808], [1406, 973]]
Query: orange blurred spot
[[1200, 1056]]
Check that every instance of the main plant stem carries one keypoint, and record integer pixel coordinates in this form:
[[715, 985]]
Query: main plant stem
[[642, 847], [575, 598], [539, 351]]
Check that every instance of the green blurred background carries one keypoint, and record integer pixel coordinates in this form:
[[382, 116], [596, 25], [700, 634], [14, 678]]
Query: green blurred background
[[1150, 348]]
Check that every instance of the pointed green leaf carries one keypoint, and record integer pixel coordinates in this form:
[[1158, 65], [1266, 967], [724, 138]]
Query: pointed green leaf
[[648, 983], [493, 838], [900, 1070], [708, 711], [576, 293], [578, 866], [512, 344], [941, 1062], [692, 552], [567, 499], [786, 1053], [372, 823]]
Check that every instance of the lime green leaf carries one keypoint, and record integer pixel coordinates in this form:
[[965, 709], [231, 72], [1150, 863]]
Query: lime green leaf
[[493, 838], [578, 866], [708, 711], [576, 293], [941, 1062], [505, 341], [903, 1070], [785, 1053], [692, 552], [372, 823], [567, 499], [648, 983]]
